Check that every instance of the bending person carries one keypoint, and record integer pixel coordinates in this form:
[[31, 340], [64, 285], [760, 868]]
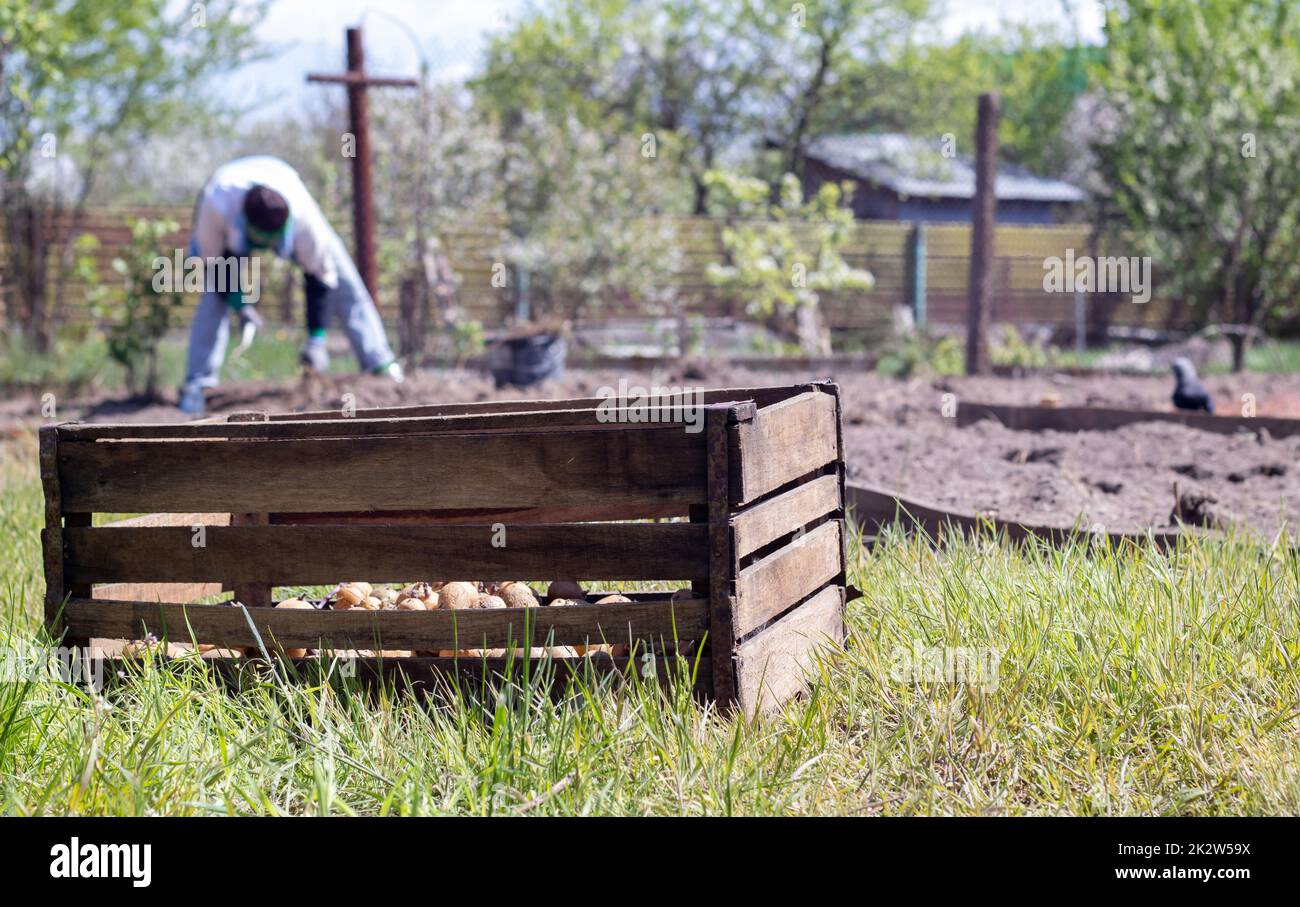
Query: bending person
[[258, 204]]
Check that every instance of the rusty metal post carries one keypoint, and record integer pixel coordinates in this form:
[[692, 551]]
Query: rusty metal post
[[983, 216], [363, 204]]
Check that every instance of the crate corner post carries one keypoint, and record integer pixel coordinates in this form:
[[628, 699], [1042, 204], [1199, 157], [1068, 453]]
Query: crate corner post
[[52, 532], [253, 595], [720, 421]]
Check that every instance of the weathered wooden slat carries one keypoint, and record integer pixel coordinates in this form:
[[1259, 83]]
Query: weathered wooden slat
[[291, 555], [768, 521], [762, 396], [771, 585], [778, 662], [52, 533], [171, 519], [477, 516], [781, 443], [591, 468], [722, 559], [72, 586], [1096, 418], [228, 625], [353, 427], [181, 593], [259, 593]]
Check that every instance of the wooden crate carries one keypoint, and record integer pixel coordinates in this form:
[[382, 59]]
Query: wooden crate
[[746, 513]]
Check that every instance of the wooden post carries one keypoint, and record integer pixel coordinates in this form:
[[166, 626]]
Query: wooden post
[[409, 336], [52, 535], [722, 561], [254, 595], [1080, 321], [983, 217], [916, 273], [357, 82]]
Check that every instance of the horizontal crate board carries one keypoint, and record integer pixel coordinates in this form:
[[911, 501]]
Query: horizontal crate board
[[764, 523], [758, 396], [776, 663], [783, 442], [294, 555], [537, 421], [229, 625], [455, 470], [771, 585]]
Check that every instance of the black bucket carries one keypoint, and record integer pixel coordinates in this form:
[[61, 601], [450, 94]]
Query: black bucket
[[526, 361]]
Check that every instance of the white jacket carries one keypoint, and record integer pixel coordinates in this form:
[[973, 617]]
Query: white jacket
[[309, 241]]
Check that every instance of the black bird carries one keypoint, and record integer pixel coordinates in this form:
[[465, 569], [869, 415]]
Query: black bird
[[1189, 392]]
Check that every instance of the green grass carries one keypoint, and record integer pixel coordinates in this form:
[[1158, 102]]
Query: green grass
[[1130, 682], [1276, 357], [81, 364]]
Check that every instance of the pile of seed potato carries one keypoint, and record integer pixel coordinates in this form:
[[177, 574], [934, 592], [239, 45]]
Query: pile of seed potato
[[458, 596]]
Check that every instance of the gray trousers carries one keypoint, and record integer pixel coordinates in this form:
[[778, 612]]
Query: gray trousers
[[349, 304]]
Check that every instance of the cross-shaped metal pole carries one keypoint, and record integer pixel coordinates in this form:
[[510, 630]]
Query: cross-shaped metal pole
[[363, 207]]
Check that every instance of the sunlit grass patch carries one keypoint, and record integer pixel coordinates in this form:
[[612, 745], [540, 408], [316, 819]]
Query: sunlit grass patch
[[1124, 681]]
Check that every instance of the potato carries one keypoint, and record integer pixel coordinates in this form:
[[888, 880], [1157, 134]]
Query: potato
[[603, 647], [214, 652], [567, 651], [348, 595], [423, 592], [564, 588], [517, 595], [491, 602], [458, 596], [295, 604]]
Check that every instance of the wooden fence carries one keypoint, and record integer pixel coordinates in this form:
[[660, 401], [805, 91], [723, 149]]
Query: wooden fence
[[880, 246]]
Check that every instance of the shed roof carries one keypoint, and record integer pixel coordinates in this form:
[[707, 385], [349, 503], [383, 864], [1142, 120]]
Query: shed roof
[[917, 167]]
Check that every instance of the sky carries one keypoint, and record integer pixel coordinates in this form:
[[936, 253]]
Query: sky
[[307, 36]]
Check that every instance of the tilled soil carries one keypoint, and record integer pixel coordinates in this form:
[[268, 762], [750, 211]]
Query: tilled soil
[[898, 437]]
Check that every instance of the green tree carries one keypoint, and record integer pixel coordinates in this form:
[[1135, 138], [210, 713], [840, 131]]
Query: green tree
[[1200, 162], [138, 310], [931, 89], [585, 218], [82, 78], [711, 75], [438, 162], [782, 258]]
